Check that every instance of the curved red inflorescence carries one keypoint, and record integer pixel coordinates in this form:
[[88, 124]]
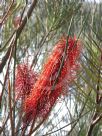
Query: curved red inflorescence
[[24, 81], [43, 95]]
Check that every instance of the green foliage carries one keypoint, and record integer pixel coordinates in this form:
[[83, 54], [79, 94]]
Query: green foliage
[[50, 20]]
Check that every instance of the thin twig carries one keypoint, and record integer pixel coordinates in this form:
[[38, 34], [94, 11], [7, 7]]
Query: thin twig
[[10, 106], [24, 21], [66, 125], [7, 13], [18, 32], [96, 117]]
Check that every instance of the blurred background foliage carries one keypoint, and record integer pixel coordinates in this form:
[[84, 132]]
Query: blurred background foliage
[[79, 113]]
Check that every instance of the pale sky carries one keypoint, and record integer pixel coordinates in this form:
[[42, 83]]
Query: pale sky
[[95, 0]]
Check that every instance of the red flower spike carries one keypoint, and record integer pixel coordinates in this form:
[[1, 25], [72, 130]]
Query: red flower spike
[[42, 98], [25, 79]]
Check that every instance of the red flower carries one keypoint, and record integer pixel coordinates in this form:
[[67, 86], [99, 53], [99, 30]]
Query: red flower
[[25, 79], [50, 85], [17, 21]]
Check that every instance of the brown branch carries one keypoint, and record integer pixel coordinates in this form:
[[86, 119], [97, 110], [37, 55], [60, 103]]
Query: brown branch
[[95, 120], [7, 42], [12, 39], [96, 117], [9, 57], [6, 14], [10, 106], [2, 128], [18, 32], [4, 59], [24, 21], [14, 85]]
